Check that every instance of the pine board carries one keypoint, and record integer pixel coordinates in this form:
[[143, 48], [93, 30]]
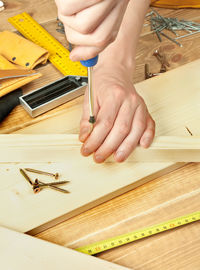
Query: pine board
[[56, 147], [173, 100], [19, 251]]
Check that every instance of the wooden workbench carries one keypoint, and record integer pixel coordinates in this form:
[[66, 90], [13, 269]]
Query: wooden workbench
[[169, 196]]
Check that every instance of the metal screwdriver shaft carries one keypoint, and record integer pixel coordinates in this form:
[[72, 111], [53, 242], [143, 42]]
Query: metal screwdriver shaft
[[91, 98], [89, 64]]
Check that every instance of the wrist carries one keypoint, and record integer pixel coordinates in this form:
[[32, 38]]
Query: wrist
[[114, 58]]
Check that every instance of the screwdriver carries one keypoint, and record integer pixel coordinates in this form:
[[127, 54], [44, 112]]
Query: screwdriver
[[89, 64]]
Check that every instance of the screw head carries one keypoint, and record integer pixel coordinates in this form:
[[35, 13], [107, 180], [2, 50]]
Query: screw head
[[56, 175]]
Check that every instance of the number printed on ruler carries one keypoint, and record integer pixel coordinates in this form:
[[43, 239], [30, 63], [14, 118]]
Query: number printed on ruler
[[59, 55]]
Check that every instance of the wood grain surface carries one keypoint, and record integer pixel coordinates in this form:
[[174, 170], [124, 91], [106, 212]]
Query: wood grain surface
[[164, 198], [59, 148], [173, 195], [31, 253], [171, 113]]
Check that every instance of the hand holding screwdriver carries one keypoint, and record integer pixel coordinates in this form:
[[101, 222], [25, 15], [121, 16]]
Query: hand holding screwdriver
[[90, 25], [122, 118]]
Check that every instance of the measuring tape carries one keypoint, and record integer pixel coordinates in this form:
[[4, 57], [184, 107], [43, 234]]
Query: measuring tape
[[139, 234], [59, 55]]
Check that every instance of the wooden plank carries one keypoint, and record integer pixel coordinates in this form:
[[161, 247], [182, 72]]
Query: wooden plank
[[90, 184], [164, 198], [57, 148], [19, 251], [173, 100], [127, 209]]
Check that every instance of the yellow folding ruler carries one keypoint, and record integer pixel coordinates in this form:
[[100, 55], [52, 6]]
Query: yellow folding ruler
[[59, 55], [139, 234]]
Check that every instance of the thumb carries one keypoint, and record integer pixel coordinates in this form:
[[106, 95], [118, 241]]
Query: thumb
[[84, 53]]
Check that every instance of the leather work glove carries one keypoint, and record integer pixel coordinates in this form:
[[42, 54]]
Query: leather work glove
[[21, 51]]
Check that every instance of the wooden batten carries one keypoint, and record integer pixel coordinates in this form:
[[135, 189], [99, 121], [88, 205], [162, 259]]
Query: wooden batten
[[55, 148]]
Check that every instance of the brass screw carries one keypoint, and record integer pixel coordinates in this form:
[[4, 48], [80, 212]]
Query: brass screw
[[36, 189], [39, 184], [55, 175], [26, 176], [148, 74]]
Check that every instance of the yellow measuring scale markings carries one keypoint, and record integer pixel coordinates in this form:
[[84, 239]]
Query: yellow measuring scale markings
[[59, 55], [139, 234]]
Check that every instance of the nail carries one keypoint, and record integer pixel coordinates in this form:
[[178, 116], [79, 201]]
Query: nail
[[99, 159], [73, 57], [120, 156], [55, 175], [85, 151], [56, 188], [145, 142], [38, 183], [54, 184], [36, 188], [26, 176], [84, 134]]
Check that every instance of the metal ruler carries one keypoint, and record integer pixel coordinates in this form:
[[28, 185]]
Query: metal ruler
[[139, 234], [59, 55]]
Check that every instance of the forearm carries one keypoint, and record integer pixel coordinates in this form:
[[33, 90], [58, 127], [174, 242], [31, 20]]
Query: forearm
[[123, 49]]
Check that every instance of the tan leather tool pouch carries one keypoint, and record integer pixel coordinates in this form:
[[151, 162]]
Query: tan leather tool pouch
[[21, 51]]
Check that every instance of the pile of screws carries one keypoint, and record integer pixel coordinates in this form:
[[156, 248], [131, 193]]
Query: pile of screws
[[159, 23], [38, 185]]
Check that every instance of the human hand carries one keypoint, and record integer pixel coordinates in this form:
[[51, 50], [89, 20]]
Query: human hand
[[91, 25], [122, 118]]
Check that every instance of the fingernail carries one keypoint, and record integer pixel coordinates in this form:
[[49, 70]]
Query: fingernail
[[85, 151], [73, 57], [145, 142], [120, 156], [99, 158], [84, 134]]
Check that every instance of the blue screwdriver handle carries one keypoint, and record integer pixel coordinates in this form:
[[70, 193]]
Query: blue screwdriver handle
[[90, 62]]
